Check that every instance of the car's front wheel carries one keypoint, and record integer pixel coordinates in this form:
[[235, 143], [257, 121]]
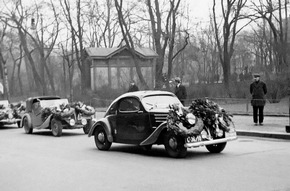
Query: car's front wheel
[[88, 126], [216, 148], [56, 127], [27, 125], [101, 140], [18, 124], [174, 145]]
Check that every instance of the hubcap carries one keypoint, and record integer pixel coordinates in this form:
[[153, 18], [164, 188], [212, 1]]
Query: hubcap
[[101, 137], [173, 143]]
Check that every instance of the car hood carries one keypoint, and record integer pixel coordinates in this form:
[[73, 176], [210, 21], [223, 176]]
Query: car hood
[[157, 110]]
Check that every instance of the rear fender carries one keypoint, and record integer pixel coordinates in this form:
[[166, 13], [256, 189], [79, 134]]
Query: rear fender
[[155, 135], [107, 127]]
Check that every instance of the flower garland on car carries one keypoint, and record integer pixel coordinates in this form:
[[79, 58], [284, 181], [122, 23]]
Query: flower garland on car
[[80, 107], [14, 109], [177, 116], [64, 110], [209, 111], [206, 112]]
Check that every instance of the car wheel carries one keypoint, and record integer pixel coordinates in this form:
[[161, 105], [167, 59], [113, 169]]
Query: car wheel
[[56, 127], [88, 126], [101, 139], [18, 124], [216, 148], [174, 145], [27, 125]]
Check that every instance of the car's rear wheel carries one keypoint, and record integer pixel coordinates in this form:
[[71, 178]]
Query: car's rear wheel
[[88, 126], [56, 127], [27, 125], [101, 140], [174, 145]]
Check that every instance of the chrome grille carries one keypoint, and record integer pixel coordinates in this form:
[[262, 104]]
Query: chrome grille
[[160, 117]]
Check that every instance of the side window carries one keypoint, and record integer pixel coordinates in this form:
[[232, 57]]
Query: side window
[[113, 109], [129, 104]]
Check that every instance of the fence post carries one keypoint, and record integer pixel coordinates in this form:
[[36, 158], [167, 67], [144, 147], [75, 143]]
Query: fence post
[[247, 106], [288, 126]]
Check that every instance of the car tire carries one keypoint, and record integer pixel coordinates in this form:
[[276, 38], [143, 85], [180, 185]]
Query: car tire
[[18, 124], [216, 148], [56, 127], [88, 126], [101, 139], [174, 145], [27, 125]]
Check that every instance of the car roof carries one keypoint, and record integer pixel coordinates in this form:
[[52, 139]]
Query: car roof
[[142, 94], [44, 97], [30, 100]]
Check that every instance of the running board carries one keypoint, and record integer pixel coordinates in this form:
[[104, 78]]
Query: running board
[[211, 142]]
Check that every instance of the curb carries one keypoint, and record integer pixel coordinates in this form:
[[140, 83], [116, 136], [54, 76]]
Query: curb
[[264, 134]]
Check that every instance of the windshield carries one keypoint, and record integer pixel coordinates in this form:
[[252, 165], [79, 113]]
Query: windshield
[[53, 103], [159, 101]]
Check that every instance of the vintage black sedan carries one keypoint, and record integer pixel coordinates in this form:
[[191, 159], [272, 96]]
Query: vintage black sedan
[[51, 112], [142, 118]]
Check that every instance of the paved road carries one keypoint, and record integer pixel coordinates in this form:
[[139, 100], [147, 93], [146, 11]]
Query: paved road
[[71, 162]]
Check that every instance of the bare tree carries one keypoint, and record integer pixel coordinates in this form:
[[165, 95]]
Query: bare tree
[[3, 61], [37, 43], [164, 36], [76, 27], [231, 11], [129, 41], [103, 23], [275, 13]]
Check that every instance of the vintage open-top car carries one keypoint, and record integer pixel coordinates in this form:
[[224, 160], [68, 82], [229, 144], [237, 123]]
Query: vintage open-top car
[[52, 112], [142, 118], [10, 113]]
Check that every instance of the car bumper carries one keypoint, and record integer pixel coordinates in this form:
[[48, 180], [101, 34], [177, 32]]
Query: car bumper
[[10, 121], [229, 137]]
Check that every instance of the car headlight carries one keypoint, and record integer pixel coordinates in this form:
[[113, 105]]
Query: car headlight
[[191, 119], [72, 122], [84, 121]]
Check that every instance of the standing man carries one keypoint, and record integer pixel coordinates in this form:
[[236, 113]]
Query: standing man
[[258, 90], [180, 90], [133, 87]]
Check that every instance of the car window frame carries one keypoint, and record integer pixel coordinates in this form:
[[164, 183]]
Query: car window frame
[[130, 111]]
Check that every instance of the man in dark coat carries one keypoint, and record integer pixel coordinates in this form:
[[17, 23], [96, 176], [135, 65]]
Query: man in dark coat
[[133, 87], [258, 90], [180, 90]]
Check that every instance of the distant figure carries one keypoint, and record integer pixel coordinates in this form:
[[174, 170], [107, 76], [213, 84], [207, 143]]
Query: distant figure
[[241, 76], [133, 87], [180, 90], [258, 90], [37, 109]]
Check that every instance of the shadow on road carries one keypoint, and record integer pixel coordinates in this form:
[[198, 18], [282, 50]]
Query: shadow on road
[[156, 152], [49, 133]]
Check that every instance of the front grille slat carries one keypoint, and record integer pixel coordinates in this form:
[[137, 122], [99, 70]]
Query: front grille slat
[[160, 117]]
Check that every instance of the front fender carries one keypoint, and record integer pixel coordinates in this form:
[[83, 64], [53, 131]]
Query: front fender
[[28, 119], [107, 127], [154, 136]]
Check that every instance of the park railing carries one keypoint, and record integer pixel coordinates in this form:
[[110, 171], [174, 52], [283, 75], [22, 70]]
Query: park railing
[[232, 105], [243, 106]]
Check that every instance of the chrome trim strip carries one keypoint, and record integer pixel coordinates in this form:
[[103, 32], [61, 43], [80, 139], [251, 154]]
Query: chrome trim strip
[[211, 142]]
